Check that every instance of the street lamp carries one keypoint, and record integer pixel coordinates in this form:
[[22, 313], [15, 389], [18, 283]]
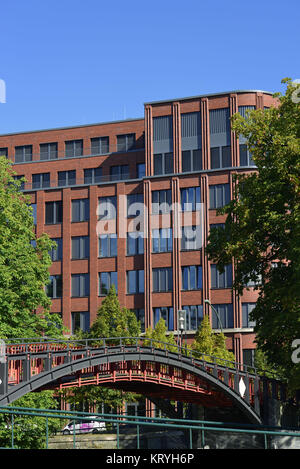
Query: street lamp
[[216, 312], [181, 318]]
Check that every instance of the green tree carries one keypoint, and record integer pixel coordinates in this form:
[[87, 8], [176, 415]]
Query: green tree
[[262, 229], [207, 344], [159, 334], [24, 265]]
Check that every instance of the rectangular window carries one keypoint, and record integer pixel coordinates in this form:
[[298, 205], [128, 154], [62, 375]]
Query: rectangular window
[[194, 317], [191, 238], [107, 208], [54, 288], [23, 153], [249, 357], [34, 213], [190, 199], [80, 321], [40, 181], [162, 240], [106, 280], [140, 315], [245, 156], [140, 170], [80, 285], [67, 178], [135, 205], [161, 201], [219, 195], [92, 175], [80, 210], [247, 308], [163, 163], [192, 277], [119, 173], [135, 243], [167, 313], [135, 281], [74, 148], [220, 157], [53, 212], [99, 145], [107, 245], [4, 152], [225, 313], [191, 160], [48, 151], [125, 142], [80, 247], [221, 280], [56, 252], [162, 279]]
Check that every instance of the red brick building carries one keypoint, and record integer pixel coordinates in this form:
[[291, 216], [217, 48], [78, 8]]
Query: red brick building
[[182, 152]]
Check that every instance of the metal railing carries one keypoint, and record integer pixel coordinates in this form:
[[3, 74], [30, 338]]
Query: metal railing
[[195, 433]]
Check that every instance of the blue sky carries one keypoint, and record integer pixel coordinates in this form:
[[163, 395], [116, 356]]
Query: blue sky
[[74, 62]]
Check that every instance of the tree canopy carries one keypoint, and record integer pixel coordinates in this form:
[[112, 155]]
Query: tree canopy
[[262, 229]]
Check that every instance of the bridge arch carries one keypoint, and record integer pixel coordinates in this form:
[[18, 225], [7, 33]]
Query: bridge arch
[[214, 376]]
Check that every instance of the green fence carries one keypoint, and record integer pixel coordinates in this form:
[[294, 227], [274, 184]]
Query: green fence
[[195, 433]]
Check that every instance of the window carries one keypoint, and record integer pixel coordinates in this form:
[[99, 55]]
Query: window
[[34, 213], [194, 317], [106, 280], [56, 252], [23, 153], [119, 173], [135, 205], [249, 357], [107, 245], [220, 157], [40, 181], [140, 315], [80, 285], [167, 313], [162, 279], [191, 160], [74, 148], [54, 288], [135, 281], [80, 247], [53, 212], [192, 277], [219, 195], [161, 201], [125, 142], [92, 175], [99, 145], [162, 240], [4, 152], [135, 243], [191, 238], [225, 313], [48, 151], [67, 178], [107, 208], [190, 199], [80, 321], [80, 210], [140, 170], [19, 177], [247, 308], [218, 226], [219, 280], [163, 163], [245, 156]]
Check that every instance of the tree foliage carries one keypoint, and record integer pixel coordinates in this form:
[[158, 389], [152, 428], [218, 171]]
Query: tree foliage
[[262, 229], [24, 265], [158, 337]]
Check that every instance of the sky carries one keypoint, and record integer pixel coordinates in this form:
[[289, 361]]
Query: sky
[[75, 62]]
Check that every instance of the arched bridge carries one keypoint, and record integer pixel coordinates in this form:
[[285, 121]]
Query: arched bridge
[[144, 366]]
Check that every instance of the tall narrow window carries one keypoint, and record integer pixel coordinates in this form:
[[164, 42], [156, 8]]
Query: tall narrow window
[[106, 280], [53, 212], [80, 285], [80, 210], [221, 280]]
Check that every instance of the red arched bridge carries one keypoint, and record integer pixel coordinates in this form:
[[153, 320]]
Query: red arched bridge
[[144, 366]]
